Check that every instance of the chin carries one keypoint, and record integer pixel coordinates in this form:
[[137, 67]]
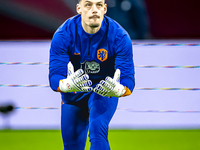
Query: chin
[[94, 25]]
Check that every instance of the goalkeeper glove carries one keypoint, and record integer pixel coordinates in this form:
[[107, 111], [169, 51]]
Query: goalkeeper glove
[[74, 81], [111, 87]]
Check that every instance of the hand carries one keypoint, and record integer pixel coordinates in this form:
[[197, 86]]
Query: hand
[[110, 87], [74, 81]]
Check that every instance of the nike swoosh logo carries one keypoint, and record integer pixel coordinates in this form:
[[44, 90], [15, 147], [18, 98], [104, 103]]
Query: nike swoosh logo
[[77, 53]]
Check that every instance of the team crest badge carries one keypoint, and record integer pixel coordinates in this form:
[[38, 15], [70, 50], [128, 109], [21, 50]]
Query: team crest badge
[[102, 54]]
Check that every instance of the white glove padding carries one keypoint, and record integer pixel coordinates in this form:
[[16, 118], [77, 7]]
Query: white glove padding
[[110, 87], [74, 81]]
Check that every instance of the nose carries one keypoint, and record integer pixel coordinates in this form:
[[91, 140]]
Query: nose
[[94, 9]]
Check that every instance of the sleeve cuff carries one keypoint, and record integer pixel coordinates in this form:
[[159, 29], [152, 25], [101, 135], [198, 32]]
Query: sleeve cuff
[[128, 83], [54, 82]]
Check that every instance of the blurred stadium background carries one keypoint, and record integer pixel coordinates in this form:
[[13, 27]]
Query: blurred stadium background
[[162, 113]]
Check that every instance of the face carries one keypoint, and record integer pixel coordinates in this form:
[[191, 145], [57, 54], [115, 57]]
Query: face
[[92, 12]]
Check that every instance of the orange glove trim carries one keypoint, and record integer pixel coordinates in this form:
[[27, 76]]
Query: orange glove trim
[[128, 92], [58, 90]]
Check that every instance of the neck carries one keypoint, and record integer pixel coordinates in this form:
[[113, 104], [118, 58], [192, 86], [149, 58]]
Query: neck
[[90, 30]]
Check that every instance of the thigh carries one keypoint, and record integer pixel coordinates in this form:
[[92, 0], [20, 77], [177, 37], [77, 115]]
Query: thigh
[[74, 126], [102, 107], [101, 112]]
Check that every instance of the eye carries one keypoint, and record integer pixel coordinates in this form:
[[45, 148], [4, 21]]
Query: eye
[[88, 5], [99, 5]]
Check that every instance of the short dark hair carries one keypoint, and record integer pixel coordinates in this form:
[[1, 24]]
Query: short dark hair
[[80, 0]]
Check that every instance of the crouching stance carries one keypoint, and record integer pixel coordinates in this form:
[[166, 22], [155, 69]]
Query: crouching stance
[[91, 65]]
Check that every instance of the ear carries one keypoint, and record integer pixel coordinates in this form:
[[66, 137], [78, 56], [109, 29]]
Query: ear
[[78, 8], [105, 9]]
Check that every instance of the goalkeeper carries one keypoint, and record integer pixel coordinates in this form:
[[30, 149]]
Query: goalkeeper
[[91, 65]]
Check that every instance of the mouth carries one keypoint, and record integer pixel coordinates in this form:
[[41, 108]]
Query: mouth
[[94, 17]]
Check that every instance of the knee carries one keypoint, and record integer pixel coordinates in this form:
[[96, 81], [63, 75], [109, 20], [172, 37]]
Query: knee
[[98, 128]]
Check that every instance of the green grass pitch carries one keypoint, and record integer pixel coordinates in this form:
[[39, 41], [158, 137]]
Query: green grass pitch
[[119, 140]]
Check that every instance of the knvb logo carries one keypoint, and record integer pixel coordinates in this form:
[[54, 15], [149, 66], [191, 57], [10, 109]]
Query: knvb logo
[[102, 54]]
